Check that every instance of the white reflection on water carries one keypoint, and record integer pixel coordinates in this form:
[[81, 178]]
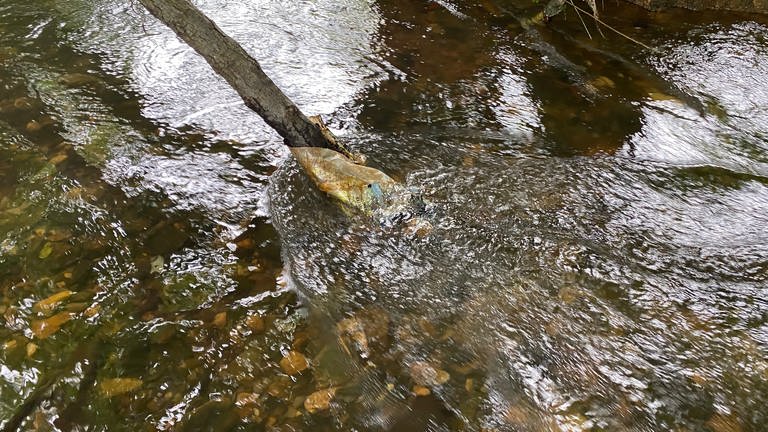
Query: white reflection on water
[[315, 51], [516, 110], [726, 71]]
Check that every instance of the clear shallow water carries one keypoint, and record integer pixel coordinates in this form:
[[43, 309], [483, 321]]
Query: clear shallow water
[[597, 258]]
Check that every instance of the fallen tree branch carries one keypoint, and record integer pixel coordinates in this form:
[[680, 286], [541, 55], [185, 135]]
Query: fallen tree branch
[[243, 73]]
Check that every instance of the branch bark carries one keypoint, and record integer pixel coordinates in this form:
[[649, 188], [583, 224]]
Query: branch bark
[[243, 73]]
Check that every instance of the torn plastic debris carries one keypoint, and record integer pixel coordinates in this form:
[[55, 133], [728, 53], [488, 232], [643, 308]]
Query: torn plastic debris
[[364, 189], [359, 187]]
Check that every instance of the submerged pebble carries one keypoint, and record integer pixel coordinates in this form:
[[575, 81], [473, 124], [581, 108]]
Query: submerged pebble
[[77, 79], [294, 363], [220, 320], [46, 327], [426, 375], [117, 386], [49, 303], [31, 349], [24, 103], [34, 126], [255, 323], [59, 158], [10, 345], [319, 400]]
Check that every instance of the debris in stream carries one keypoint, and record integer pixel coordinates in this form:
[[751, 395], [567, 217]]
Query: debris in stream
[[550, 10], [364, 190], [45, 251], [364, 329], [352, 329], [358, 187], [156, 264]]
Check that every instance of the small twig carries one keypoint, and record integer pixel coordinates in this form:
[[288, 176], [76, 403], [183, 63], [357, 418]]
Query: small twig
[[570, 2], [582, 21], [597, 24]]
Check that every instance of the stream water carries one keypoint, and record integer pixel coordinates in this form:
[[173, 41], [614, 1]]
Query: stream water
[[593, 255]]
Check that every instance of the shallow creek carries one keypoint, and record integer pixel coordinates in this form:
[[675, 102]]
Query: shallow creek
[[596, 257]]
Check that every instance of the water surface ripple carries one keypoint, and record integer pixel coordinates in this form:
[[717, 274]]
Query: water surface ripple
[[597, 257]]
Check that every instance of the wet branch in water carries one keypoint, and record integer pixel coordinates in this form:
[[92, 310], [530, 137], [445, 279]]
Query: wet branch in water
[[243, 73]]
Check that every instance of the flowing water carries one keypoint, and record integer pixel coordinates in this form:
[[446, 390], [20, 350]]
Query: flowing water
[[593, 254]]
